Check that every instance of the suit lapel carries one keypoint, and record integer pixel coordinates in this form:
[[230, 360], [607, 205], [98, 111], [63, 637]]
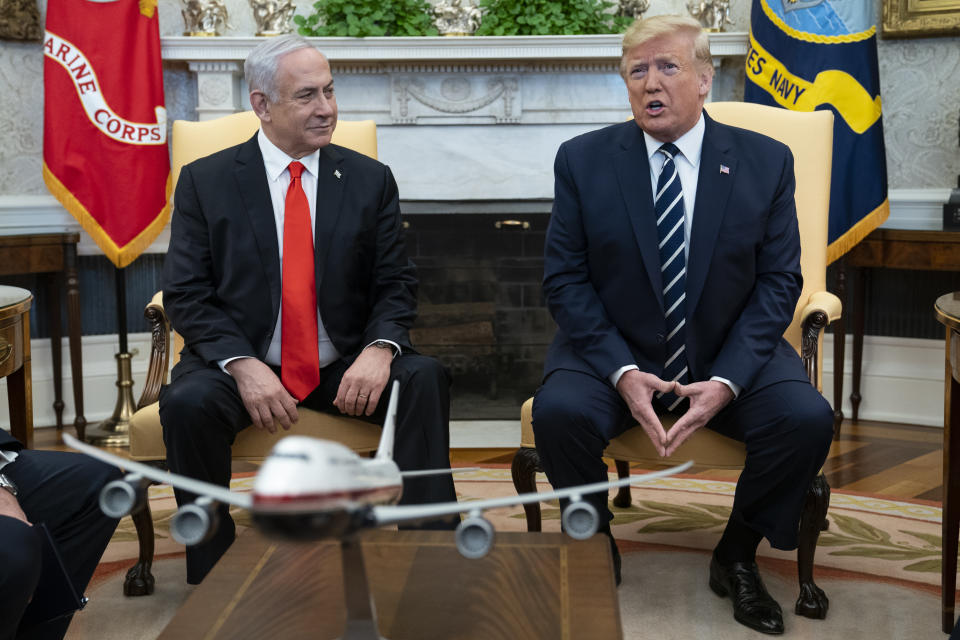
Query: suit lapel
[[633, 174], [713, 191], [331, 182], [252, 184]]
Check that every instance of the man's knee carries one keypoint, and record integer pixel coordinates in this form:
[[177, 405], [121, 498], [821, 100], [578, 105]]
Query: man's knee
[[557, 415], [816, 422], [178, 401], [811, 424], [425, 371], [194, 402]]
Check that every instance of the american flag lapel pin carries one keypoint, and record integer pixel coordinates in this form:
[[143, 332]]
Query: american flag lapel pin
[[724, 169], [336, 172]]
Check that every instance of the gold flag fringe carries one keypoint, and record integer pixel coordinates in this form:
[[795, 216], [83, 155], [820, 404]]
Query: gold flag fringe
[[148, 7], [119, 256], [859, 231]]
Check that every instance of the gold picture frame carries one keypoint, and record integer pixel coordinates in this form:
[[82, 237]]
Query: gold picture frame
[[920, 18]]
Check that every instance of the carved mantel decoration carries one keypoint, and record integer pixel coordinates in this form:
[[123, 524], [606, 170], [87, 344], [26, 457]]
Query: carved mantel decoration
[[452, 18], [204, 17], [273, 16], [457, 99]]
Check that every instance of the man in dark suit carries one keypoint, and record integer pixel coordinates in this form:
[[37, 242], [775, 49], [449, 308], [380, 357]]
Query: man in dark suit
[[62, 491], [672, 269], [288, 279]]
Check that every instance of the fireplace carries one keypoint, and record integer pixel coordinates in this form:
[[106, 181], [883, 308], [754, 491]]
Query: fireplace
[[481, 308]]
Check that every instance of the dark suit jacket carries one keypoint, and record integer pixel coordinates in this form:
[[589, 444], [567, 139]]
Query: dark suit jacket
[[222, 270], [602, 266]]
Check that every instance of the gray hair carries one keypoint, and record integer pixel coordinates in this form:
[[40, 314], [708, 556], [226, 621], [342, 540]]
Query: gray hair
[[260, 67], [646, 29]]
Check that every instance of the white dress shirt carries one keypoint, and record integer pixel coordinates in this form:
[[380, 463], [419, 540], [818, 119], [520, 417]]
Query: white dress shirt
[[6, 457], [687, 162]]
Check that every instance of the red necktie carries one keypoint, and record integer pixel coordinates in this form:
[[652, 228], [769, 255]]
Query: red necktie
[[299, 357]]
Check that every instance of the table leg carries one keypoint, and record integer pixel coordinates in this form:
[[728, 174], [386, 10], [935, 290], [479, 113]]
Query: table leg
[[73, 327], [859, 305], [839, 346], [20, 393], [56, 332], [951, 487]]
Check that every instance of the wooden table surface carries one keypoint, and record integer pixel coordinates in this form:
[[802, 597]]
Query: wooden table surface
[[531, 585]]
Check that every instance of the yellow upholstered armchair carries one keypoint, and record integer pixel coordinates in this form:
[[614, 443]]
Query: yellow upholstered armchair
[[192, 140], [810, 137]]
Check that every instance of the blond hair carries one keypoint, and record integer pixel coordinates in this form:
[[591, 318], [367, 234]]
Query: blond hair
[[646, 29]]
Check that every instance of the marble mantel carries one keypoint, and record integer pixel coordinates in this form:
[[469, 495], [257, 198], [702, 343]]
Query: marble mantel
[[458, 118], [502, 62]]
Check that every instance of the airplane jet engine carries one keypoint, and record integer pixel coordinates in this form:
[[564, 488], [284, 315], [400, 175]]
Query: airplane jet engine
[[125, 496], [195, 523], [580, 519], [474, 536]]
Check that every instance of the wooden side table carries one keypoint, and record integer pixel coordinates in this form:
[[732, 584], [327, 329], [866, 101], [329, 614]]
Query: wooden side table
[[15, 359], [54, 256], [947, 309], [915, 250]]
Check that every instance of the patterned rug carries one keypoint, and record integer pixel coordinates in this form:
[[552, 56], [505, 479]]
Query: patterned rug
[[869, 536]]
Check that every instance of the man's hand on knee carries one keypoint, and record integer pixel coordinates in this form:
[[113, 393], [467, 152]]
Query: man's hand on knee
[[707, 398], [364, 382], [263, 394], [637, 389]]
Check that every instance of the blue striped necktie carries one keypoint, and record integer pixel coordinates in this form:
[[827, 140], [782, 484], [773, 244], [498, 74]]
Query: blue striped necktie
[[668, 205]]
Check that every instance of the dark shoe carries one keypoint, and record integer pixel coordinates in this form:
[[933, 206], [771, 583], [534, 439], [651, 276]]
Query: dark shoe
[[616, 559], [752, 605]]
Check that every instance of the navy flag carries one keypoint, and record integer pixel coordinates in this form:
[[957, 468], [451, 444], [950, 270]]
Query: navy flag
[[822, 54]]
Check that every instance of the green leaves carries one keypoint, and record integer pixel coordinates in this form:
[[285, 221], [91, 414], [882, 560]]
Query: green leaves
[[367, 18], [864, 540]]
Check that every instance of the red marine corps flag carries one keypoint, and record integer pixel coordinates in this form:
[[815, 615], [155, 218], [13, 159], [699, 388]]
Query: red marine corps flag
[[104, 125]]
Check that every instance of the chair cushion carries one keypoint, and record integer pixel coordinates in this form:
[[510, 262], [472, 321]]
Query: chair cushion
[[706, 447], [146, 434]]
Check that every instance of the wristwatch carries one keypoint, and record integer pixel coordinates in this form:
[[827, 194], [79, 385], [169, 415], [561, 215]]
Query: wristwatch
[[382, 344], [6, 483]]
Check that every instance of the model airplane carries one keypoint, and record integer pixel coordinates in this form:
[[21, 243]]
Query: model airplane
[[314, 489]]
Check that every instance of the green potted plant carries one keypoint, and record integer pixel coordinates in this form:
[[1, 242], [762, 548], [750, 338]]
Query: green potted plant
[[363, 18], [549, 17]]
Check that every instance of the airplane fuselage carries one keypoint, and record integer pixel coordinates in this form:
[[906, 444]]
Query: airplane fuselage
[[315, 489]]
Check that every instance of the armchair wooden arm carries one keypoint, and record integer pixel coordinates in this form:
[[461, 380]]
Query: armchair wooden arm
[[821, 309], [159, 350]]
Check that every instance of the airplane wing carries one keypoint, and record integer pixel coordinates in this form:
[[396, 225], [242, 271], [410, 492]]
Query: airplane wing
[[214, 491], [393, 514], [436, 472]]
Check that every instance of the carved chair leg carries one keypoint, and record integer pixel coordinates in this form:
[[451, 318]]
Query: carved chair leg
[[139, 580], [623, 498], [813, 602], [525, 465]]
